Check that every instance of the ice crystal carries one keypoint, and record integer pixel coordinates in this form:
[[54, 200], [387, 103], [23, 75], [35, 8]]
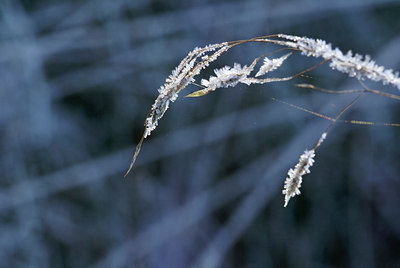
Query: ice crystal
[[227, 77], [271, 65]]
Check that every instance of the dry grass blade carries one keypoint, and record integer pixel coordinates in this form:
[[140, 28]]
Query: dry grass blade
[[135, 155]]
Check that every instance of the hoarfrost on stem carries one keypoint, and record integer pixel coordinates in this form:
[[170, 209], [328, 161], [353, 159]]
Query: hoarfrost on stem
[[227, 77], [354, 65]]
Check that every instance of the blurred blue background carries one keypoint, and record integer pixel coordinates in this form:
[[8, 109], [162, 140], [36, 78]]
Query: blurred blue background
[[77, 80]]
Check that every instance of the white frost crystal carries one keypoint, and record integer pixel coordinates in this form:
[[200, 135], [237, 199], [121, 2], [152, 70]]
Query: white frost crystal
[[270, 65], [227, 77]]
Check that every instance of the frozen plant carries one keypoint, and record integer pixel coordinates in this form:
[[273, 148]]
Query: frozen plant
[[184, 74]]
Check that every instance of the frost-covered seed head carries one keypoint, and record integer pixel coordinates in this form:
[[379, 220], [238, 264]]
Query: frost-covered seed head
[[294, 179]]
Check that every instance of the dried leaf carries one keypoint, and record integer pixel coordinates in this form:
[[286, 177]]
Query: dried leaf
[[197, 93]]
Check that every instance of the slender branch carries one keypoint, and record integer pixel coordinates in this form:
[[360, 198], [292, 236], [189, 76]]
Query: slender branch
[[351, 91]]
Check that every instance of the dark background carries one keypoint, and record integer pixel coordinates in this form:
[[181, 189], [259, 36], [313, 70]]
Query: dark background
[[77, 79]]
